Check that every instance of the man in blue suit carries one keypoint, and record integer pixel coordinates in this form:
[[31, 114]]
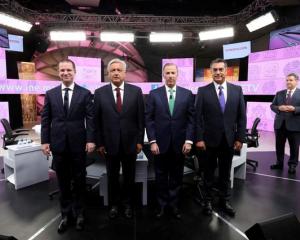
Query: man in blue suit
[[220, 129], [68, 133], [286, 105], [119, 120], [170, 131]]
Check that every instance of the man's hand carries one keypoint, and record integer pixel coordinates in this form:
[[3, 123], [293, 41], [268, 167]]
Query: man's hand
[[283, 108], [186, 148], [90, 147], [237, 145], [154, 148], [139, 148], [201, 145], [46, 149], [290, 108], [101, 151]]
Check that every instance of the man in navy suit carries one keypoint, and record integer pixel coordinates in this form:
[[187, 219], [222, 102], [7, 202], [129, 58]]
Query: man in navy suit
[[119, 120], [170, 131], [220, 129], [286, 105], [68, 133]]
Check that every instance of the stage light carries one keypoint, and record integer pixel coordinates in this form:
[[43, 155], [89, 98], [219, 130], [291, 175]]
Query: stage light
[[261, 21], [67, 36], [165, 37], [13, 22], [216, 34], [116, 37]]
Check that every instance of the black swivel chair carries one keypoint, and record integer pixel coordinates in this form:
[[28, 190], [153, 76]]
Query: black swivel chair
[[9, 137], [252, 137]]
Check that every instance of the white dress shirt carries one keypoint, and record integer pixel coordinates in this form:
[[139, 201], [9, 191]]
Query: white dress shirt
[[168, 93], [115, 92], [292, 91], [70, 92], [224, 85]]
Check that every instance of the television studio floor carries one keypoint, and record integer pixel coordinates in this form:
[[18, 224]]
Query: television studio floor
[[28, 213]]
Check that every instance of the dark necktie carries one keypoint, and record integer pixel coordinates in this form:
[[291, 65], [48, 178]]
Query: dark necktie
[[288, 97], [66, 100], [119, 100], [221, 98]]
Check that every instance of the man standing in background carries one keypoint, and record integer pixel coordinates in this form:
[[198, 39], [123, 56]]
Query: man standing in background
[[119, 120], [286, 105], [220, 129], [67, 132], [170, 131]]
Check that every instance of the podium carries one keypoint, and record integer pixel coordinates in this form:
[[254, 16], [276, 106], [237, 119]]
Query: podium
[[25, 165]]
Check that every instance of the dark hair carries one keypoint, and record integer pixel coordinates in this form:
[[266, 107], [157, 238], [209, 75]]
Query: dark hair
[[293, 75], [70, 61], [218, 60]]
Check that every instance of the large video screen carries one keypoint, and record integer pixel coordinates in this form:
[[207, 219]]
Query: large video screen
[[4, 43], [268, 69], [185, 69], [285, 37], [4, 113], [263, 111]]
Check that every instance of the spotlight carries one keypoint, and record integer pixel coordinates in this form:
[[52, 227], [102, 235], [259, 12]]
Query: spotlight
[[262, 21]]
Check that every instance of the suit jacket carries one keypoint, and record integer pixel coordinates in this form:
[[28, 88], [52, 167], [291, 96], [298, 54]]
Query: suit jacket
[[170, 130], [292, 119], [114, 128], [211, 122], [77, 127]]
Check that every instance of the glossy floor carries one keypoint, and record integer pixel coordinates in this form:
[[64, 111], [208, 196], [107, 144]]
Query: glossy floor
[[29, 214]]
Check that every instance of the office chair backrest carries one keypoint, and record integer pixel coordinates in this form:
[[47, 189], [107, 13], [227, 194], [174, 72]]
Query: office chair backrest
[[254, 126], [7, 128]]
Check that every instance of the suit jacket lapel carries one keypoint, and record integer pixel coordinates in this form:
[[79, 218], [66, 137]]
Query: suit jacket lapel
[[215, 96], [111, 97], [125, 99], [75, 96], [294, 96], [164, 98], [229, 97], [59, 99], [177, 100]]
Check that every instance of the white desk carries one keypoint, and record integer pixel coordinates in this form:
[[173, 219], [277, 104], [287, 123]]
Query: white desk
[[25, 166]]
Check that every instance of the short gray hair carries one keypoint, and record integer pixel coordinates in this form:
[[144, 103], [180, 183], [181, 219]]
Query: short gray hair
[[116, 60], [293, 75]]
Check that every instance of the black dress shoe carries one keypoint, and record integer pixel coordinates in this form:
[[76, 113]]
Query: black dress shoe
[[128, 212], [113, 212], [63, 225], [160, 213], [176, 213], [277, 166], [292, 169], [207, 208], [227, 208], [80, 223]]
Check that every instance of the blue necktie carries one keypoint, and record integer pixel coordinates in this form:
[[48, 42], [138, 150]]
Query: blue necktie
[[222, 98]]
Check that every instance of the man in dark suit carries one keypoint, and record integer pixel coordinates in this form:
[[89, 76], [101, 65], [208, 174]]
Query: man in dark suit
[[220, 129], [286, 105], [68, 133], [170, 131], [119, 120]]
